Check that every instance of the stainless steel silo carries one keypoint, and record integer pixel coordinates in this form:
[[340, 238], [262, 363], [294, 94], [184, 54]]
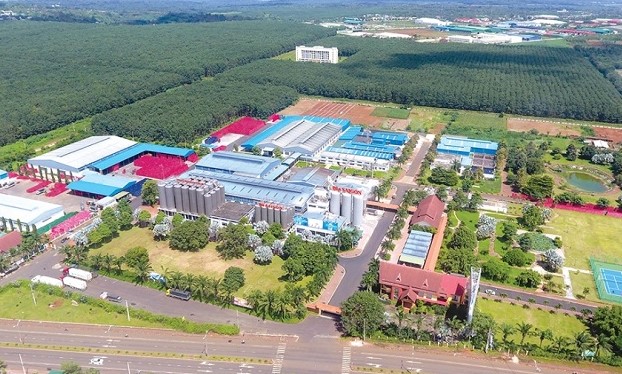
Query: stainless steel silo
[[358, 211], [177, 193], [200, 201], [185, 199], [346, 206], [335, 203], [162, 195], [170, 196]]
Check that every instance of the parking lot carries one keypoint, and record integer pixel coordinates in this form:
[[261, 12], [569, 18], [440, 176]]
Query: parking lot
[[71, 203]]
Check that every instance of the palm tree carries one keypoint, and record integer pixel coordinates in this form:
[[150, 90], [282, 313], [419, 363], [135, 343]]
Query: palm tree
[[187, 282], [119, 262], [601, 341], [369, 280], [400, 315], [523, 329], [543, 335], [174, 280], [506, 330], [67, 250], [271, 296], [201, 287], [96, 261], [280, 306], [4, 263], [296, 294], [79, 253], [216, 288], [107, 262], [142, 270], [559, 344], [419, 324], [455, 325], [255, 300], [581, 341]]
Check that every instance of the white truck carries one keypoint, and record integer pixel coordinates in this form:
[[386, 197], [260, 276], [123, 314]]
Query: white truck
[[43, 279], [80, 274], [76, 283]]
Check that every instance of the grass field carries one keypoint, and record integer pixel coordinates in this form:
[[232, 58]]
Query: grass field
[[468, 218], [17, 304], [481, 120], [391, 112], [584, 235], [580, 281], [504, 312], [287, 56], [205, 262], [490, 186]]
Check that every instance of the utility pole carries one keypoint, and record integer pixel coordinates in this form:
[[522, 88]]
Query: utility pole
[[127, 309], [128, 368], [22, 362]]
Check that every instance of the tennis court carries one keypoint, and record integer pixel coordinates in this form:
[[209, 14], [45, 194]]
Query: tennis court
[[608, 279]]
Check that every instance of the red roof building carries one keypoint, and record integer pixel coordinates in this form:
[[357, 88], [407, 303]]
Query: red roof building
[[429, 212], [10, 241], [408, 284]]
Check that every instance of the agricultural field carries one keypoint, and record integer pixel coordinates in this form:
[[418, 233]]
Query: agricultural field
[[391, 112], [205, 262], [451, 76], [54, 73], [597, 237]]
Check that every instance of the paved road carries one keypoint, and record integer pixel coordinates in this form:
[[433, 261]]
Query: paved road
[[287, 355], [356, 266], [540, 299]]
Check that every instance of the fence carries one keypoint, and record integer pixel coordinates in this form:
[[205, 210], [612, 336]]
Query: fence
[[597, 267]]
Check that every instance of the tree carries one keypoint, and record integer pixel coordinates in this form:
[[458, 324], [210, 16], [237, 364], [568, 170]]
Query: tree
[[135, 256], [125, 215], [190, 235], [149, 192], [619, 202], [444, 177], [362, 314], [603, 202], [528, 278], [159, 218], [571, 152], [233, 242], [347, 238], [457, 261], [495, 269], [233, 280], [294, 269], [552, 260], [100, 234], [263, 255], [607, 322], [3, 367], [177, 220], [532, 217], [254, 241], [144, 218], [524, 329], [110, 219], [506, 330], [515, 257], [277, 152], [509, 231], [539, 187], [70, 367], [475, 201], [543, 335], [463, 238]]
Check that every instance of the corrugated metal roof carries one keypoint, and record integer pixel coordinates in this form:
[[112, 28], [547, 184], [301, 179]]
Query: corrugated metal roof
[[26, 210], [357, 152], [138, 149], [238, 163], [104, 185], [79, 155], [303, 136], [466, 143]]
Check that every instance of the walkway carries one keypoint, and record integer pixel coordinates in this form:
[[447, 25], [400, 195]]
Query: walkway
[[568, 282]]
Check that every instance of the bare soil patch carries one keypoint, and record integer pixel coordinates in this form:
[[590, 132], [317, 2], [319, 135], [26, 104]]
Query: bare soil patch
[[543, 127], [615, 135], [56, 304], [422, 33], [357, 113], [437, 129]]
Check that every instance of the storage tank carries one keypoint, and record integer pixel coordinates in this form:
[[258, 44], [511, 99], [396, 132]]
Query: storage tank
[[358, 210], [264, 214], [257, 213], [200, 201], [162, 195], [335, 203], [185, 199], [289, 218], [80, 274], [209, 208], [170, 196], [193, 200], [346, 206], [277, 216], [221, 195], [76, 283], [177, 194], [47, 280]]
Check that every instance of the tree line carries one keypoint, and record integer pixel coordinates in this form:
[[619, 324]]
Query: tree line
[[53, 74], [527, 80]]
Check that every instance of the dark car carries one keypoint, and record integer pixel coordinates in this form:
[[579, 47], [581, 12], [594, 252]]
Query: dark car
[[114, 298]]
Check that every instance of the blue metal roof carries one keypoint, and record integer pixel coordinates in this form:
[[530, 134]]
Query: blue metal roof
[[391, 136], [3, 174], [238, 163], [104, 185], [461, 142], [287, 120], [357, 152], [138, 149], [351, 133], [384, 148]]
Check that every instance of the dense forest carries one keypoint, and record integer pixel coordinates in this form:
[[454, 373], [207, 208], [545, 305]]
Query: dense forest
[[54, 73], [607, 59], [530, 80], [187, 112]]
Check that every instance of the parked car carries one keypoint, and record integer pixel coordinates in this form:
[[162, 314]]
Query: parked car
[[490, 292]]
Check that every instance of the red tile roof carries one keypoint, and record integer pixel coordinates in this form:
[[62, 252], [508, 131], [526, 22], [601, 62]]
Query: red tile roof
[[428, 212], [422, 280], [10, 241]]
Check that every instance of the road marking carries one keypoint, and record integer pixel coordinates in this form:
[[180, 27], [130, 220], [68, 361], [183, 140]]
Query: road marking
[[346, 360], [377, 366], [280, 355], [373, 358]]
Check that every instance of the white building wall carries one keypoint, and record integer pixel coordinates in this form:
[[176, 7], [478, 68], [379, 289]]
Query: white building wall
[[317, 54]]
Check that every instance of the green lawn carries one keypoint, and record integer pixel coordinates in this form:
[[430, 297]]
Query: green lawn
[[287, 56], [17, 304], [468, 218], [391, 112], [480, 120], [205, 262], [504, 312], [584, 235], [580, 281], [489, 186]]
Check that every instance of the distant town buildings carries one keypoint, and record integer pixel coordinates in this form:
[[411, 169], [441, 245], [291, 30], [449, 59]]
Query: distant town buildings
[[317, 54]]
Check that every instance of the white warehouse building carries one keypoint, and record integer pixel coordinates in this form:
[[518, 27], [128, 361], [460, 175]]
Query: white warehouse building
[[14, 209], [317, 54]]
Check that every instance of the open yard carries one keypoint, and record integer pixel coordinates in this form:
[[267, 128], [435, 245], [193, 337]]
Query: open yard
[[615, 135], [584, 235], [580, 281], [504, 312], [17, 303], [543, 127], [205, 262], [391, 112]]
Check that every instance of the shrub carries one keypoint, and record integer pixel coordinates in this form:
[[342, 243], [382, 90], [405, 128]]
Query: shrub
[[516, 257]]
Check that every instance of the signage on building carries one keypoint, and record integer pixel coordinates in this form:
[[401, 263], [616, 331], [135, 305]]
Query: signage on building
[[270, 205], [351, 191]]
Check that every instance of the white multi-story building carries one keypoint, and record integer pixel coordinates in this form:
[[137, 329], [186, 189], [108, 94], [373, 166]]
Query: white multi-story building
[[317, 54]]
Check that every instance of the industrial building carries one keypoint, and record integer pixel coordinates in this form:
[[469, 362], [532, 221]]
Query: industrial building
[[103, 154], [471, 153], [9, 241], [429, 212], [312, 177], [241, 164], [323, 224], [317, 54], [231, 213], [97, 186], [250, 190], [15, 210], [3, 174], [348, 198]]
